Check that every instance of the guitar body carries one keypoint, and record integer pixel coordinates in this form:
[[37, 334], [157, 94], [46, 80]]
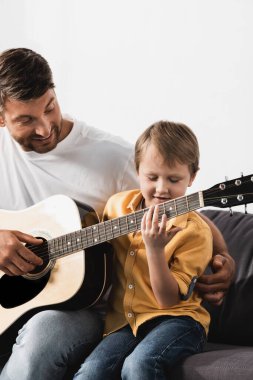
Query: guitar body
[[74, 281]]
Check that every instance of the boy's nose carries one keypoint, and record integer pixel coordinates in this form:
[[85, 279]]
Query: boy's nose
[[161, 186]]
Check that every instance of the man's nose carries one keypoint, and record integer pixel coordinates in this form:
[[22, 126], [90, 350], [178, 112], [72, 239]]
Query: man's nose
[[43, 128]]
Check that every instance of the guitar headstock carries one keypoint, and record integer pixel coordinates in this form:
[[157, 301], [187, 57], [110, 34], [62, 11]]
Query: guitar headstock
[[235, 192]]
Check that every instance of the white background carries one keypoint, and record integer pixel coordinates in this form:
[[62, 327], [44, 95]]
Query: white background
[[121, 65]]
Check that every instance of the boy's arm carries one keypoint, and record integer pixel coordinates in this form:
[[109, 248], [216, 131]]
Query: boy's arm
[[213, 287]]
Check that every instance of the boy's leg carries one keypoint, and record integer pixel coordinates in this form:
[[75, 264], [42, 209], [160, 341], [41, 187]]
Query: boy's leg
[[50, 342], [173, 339], [105, 362]]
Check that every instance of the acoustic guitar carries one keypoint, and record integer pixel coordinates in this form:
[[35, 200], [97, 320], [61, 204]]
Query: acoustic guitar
[[77, 261]]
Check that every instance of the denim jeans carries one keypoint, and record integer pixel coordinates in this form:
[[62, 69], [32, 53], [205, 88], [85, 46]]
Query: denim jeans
[[50, 342], [158, 346]]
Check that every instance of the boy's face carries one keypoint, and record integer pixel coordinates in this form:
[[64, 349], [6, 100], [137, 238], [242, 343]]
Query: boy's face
[[160, 182], [35, 124]]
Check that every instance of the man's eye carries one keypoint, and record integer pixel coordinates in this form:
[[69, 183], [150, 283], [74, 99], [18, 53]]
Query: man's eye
[[25, 121], [49, 109]]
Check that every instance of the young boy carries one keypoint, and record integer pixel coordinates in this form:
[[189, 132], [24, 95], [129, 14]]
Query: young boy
[[155, 317]]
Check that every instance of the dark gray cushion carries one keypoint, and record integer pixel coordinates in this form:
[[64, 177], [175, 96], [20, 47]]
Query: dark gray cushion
[[222, 362], [232, 321], [231, 356]]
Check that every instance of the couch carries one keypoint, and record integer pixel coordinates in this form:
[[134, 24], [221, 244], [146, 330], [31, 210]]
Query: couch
[[228, 354]]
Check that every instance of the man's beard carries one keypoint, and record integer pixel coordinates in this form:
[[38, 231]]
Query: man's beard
[[29, 144]]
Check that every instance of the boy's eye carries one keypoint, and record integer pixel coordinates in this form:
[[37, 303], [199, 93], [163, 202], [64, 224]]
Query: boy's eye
[[174, 180], [152, 178]]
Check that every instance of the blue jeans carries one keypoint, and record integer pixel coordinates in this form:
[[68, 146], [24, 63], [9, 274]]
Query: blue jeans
[[158, 346], [50, 342]]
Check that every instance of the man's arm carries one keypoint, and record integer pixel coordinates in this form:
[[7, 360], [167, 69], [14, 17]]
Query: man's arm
[[15, 258], [214, 286]]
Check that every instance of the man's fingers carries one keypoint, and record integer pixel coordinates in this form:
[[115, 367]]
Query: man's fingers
[[214, 298], [25, 238], [27, 257], [205, 287], [218, 262]]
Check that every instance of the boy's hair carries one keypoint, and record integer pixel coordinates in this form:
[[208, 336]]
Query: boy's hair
[[24, 75], [174, 141]]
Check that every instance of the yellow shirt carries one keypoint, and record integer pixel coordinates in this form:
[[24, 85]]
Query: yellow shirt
[[132, 300]]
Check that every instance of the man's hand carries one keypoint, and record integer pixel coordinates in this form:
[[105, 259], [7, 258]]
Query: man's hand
[[213, 287], [15, 258]]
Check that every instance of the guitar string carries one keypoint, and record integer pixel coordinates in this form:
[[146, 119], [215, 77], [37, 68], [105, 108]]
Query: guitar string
[[90, 239], [180, 205]]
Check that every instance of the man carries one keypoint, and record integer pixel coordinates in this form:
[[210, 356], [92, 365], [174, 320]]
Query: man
[[44, 153]]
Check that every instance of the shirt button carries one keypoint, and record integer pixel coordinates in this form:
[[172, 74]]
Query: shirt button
[[132, 253], [130, 315], [130, 286]]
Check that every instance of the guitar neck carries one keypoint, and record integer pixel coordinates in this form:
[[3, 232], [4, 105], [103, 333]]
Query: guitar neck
[[113, 228]]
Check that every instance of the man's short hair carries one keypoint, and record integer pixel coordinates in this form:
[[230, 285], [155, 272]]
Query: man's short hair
[[24, 75]]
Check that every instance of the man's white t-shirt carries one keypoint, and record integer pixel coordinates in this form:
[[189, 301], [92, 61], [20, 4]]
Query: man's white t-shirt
[[89, 165]]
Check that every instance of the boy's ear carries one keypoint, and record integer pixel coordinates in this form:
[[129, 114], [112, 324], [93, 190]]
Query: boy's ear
[[193, 176]]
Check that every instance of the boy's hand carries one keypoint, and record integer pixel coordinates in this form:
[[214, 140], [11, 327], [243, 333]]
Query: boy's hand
[[154, 234], [213, 287]]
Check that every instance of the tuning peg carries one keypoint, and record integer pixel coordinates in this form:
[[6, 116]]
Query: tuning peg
[[230, 211], [241, 174], [226, 178], [245, 209]]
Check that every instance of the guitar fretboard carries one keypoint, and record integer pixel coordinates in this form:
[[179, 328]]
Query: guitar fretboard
[[113, 228]]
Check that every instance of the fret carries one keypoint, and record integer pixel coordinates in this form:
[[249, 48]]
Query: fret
[[115, 228], [51, 248], [89, 238], [72, 242], [175, 207], [130, 222], [57, 246], [119, 229], [122, 225], [182, 205], [187, 204], [104, 231], [194, 201], [78, 238], [68, 243], [94, 232], [109, 224], [107, 230], [135, 222], [64, 240], [140, 215]]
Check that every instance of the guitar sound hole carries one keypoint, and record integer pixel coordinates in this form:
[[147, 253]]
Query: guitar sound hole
[[41, 251]]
